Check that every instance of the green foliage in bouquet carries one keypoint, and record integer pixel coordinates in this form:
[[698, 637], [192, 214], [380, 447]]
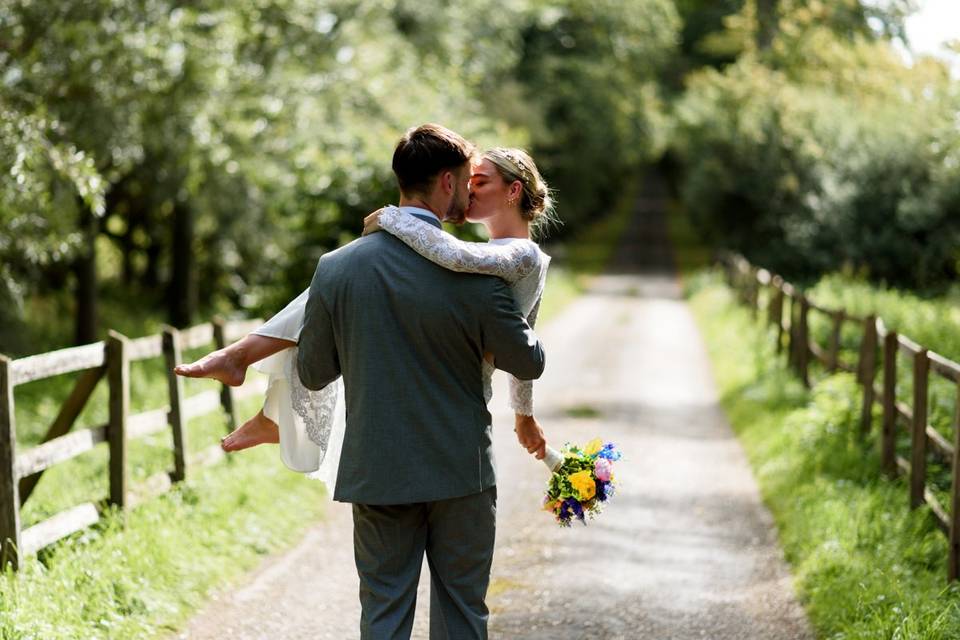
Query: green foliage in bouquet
[[560, 485]]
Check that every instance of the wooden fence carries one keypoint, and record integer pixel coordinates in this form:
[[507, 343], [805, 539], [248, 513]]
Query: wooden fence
[[764, 291], [21, 470]]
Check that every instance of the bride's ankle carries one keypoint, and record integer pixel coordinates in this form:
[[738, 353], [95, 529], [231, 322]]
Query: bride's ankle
[[266, 422], [237, 355]]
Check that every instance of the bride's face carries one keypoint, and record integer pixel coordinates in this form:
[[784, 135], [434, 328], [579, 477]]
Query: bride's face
[[488, 192]]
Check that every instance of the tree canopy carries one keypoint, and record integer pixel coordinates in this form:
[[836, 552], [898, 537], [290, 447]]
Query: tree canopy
[[209, 152], [825, 150], [177, 158]]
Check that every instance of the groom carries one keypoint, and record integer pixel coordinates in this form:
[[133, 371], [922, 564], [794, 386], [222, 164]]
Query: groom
[[417, 463]]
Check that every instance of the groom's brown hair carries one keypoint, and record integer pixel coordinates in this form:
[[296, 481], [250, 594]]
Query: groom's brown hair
[[424, 152]]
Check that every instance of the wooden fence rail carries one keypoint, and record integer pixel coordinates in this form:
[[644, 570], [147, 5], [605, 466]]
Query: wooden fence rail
[[111, 359], [925, 441]]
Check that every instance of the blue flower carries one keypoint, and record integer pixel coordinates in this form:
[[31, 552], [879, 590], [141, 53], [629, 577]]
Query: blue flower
[[609, 452], [608, 489]]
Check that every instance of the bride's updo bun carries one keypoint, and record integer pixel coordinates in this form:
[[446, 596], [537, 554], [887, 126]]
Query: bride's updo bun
[[536, 203]]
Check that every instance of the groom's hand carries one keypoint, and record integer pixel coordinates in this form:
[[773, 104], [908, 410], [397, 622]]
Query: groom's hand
[[530, 436]]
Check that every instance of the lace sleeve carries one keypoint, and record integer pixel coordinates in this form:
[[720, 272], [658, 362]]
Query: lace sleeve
[[510, 261], [521, 391]]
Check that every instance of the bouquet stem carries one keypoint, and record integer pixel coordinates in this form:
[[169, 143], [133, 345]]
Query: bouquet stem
[[553, 459]]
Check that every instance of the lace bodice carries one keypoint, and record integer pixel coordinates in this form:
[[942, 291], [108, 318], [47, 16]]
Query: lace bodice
[[519, 261]]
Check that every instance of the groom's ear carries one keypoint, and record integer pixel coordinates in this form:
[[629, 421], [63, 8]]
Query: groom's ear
[[447, 182]]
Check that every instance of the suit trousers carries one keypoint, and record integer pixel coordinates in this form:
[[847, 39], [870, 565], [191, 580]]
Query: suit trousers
[[389, 542]]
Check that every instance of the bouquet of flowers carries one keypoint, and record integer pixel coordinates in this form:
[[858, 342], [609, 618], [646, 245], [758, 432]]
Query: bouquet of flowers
[[581, 482]]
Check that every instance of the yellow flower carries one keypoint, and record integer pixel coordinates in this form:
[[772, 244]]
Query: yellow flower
[[584, 484], [593, 447]]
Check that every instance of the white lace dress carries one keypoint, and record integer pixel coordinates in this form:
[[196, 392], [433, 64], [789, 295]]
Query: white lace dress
[[312, 422]]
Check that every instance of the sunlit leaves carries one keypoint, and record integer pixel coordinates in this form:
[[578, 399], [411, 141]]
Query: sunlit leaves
[[272, 122], [827, 152]]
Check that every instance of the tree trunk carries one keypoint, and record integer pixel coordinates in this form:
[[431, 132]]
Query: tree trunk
[[127, 247], [120, 203], [154, 251], [183, 289], [766, 23], [85, 270]]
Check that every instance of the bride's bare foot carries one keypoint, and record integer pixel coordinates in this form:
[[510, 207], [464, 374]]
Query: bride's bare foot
[[257, 430], [225, 365]]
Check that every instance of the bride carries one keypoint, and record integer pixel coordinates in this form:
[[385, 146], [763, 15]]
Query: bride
[[507, 195]]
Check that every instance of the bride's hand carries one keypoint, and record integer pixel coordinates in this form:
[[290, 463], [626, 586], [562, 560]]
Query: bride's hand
[[371, 224], [457, 220], [530, 435]]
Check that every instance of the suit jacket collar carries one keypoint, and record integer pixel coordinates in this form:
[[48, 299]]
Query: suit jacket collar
[[424, 215]]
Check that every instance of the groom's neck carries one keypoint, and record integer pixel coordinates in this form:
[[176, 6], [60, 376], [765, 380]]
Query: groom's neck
[[419, 201]]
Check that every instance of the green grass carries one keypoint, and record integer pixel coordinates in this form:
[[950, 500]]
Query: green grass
[[582, 411], [934, 322], [865, 565]]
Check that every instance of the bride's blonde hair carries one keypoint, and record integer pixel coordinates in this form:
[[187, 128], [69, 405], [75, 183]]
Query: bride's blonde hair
[[536, 202]]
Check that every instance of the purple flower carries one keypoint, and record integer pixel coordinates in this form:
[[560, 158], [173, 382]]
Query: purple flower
[[569, 508], [574, 509], [601, 491]]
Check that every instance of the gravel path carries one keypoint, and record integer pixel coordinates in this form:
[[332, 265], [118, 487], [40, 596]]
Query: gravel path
[[685, 550]]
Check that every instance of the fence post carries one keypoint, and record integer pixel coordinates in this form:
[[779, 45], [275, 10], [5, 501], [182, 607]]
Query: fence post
[[171, 353], [9, 492], [918, 454], [803, 342], [227, 393], [776, 310], [741, 286], [866, 371], [888, 460], [118, 379], [792, 332], [833, 355], [729, 272], [953, 566]]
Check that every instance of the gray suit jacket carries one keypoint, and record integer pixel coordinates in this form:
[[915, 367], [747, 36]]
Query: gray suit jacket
[[408, 337]]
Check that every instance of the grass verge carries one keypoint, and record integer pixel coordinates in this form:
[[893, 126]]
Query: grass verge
[[865, 565]]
